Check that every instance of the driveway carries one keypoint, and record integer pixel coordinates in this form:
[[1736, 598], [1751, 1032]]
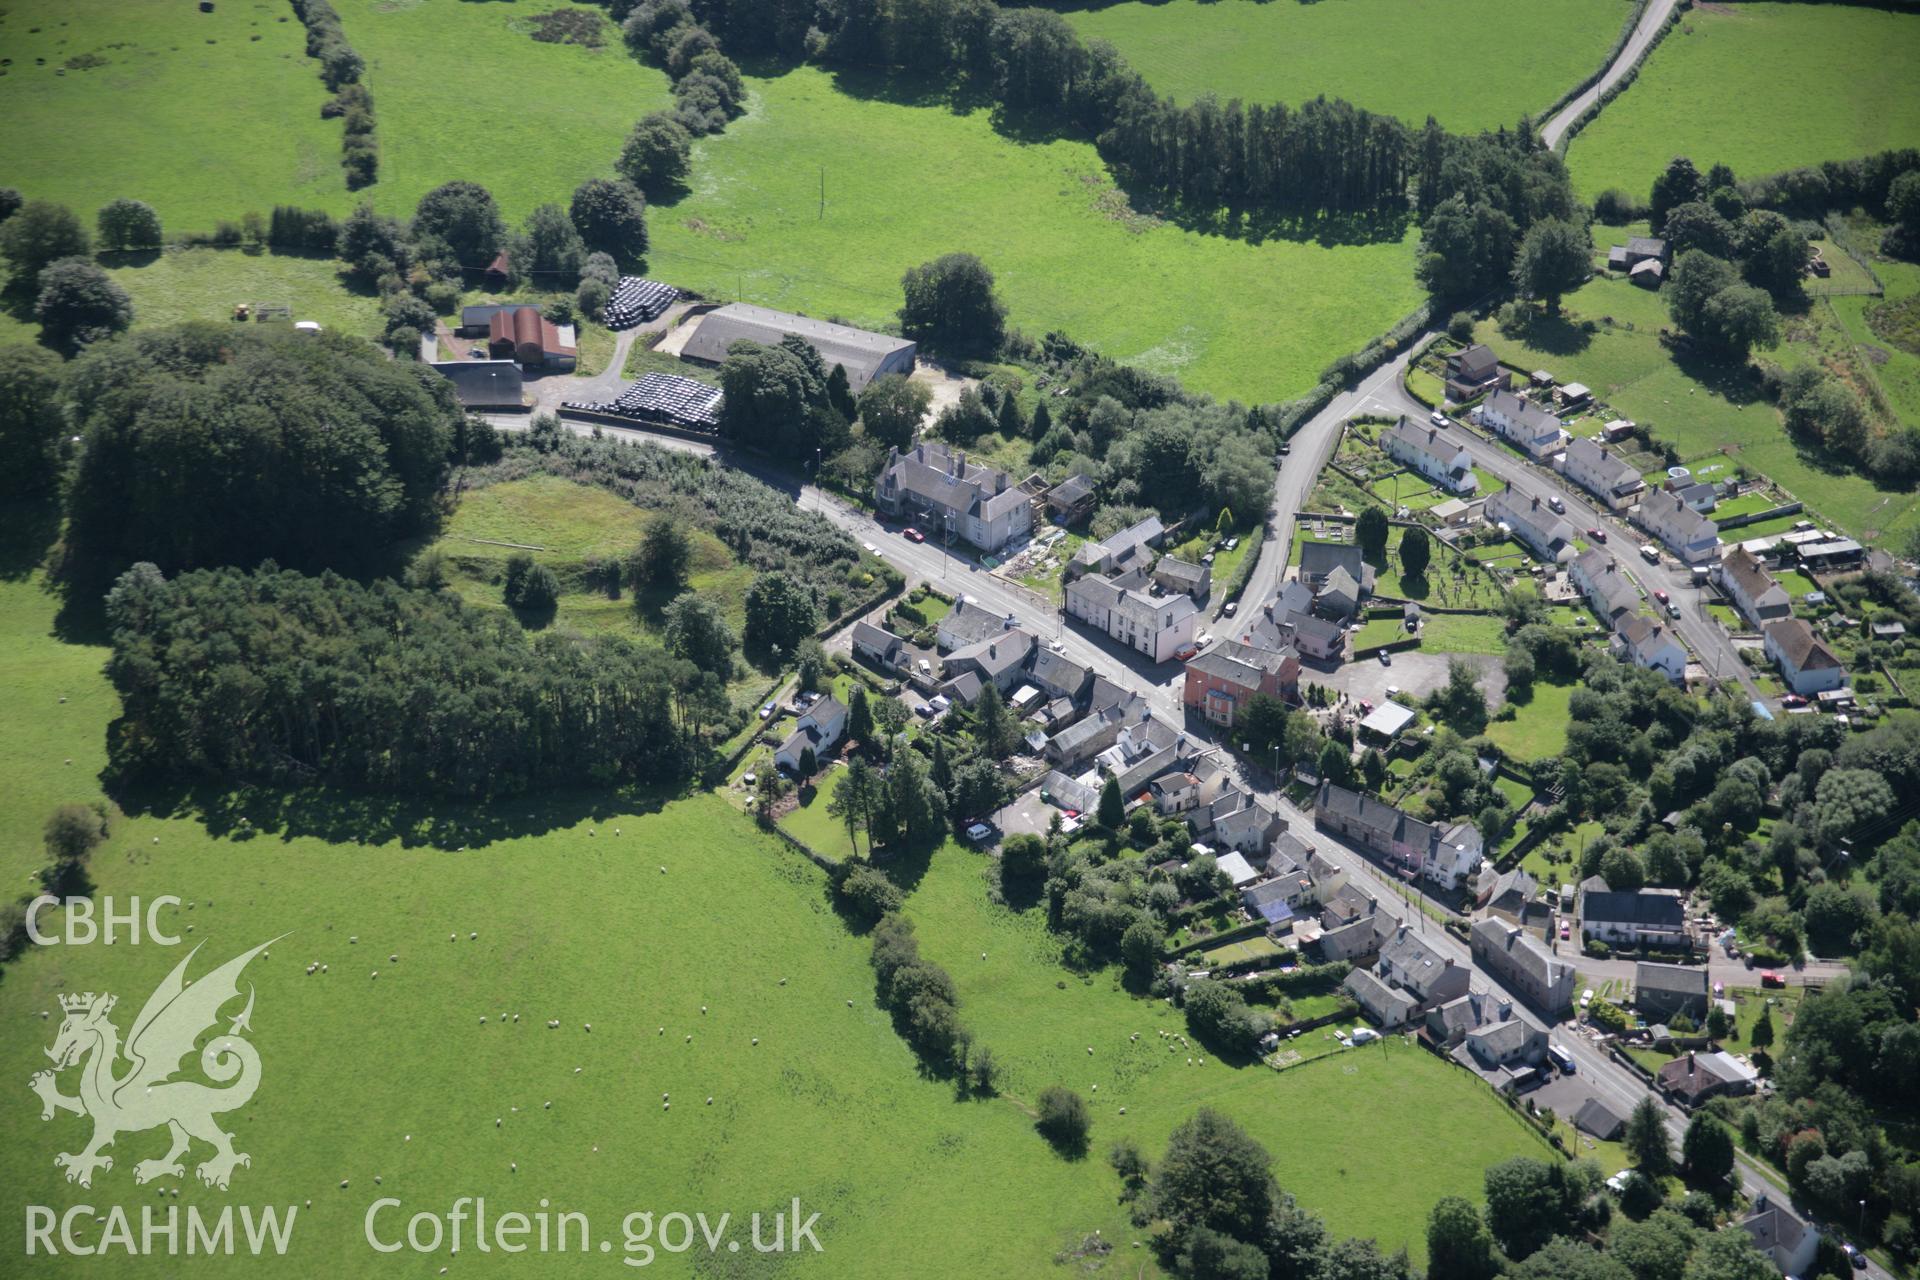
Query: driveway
[[1027, 815], [1416, 673]]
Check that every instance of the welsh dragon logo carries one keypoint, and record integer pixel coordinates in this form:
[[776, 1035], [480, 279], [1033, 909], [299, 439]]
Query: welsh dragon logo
[[146, 1096]]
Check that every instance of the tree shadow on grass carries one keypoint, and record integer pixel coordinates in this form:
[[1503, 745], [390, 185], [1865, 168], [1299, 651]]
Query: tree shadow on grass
[[1557, 335], [339, 816], [1735, 381], [28, 527]]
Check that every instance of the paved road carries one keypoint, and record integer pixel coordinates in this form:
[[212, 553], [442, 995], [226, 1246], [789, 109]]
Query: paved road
[[1636, 47]]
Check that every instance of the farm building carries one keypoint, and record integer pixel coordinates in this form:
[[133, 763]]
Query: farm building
[[520, 333], [863, 354], [482, 383]]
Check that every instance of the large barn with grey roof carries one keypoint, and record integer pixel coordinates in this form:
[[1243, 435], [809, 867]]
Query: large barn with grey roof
[[865, 355]]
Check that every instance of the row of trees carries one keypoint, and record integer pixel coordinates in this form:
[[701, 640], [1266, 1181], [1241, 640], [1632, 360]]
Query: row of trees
[[284, 678], [341, 69]]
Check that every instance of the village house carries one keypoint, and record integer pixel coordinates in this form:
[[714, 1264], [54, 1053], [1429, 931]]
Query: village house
[[934, 483], [1521, 423], [1426, 451], [1691, 536], [1665, 992], [1351, 926], [1523, 963], [1651, 918], [1058, 675], [1157, 626], [1807, 665], [1790, 1242], [967, 623], [1407, 977], [1195, 580], [1513, 896], [1236, 820], [1752, 589], [1637, 249], [1220, 681], [1404, 842], [820, 727], [999, 660], [1610, 479], [1473, 372], [1649, 644], [1535, 524], [1698, 1078], [1319, 561], [1127, 549], [877, 645], [1097, 730], [1455, 857], [1608, 591]]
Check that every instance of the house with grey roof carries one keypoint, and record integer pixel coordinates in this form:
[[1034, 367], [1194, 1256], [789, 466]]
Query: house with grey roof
[[1422, 448], [1401, 840], [820, 727], [1195, 580], [877, 645], [1609, 592], [1642, 917], [1598, 1120], [1790, 1242], [1071, 501], [999, 660], [1537, 526], [1637, 249], [865, 355], [1607, 477], [1387, 1005], [1524, 964], [1521, 423], [1664, 992], [1510, 1043], [1124, 608], [1320, 559], [1646, 643], [1691, 536], [980, 505], [1059, 675], [1130, 548], [1807, 665], [1472, 372], [1752, 589]]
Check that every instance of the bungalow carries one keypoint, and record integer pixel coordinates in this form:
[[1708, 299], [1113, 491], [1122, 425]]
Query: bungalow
[[820, 727], [877, 645], [1523, 964], [1664, 992], [1195, 580], [1608, 591], [1648, 644], [1806, 664], [1606, 477], [1752, 589], [1790, 1242], [1434, 456], [1639, 918], [1473, 372], [1700, 1077], [1223, 679], [1543, 531], [1522, 423], [1404, 842], [1515, 1042], [1691, 536]]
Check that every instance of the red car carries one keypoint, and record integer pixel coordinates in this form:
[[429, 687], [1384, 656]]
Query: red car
[[1768, 978], [914, 535], [1793, 700], [1661, 596], [1598, 535]]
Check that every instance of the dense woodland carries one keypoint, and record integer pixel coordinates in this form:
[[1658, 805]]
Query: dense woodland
[[276, 676]]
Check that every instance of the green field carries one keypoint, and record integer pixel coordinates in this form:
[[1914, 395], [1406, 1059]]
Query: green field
[[442, 75], [575, 922], [1385, 55], [1043, 215], [1761, 87], [206, 284], [1539, 727], [564, 525], [202, 115], [1370, 1138], [1701, 407]]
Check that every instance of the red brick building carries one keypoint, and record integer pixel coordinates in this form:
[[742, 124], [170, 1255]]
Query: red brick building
[[1221, 680]]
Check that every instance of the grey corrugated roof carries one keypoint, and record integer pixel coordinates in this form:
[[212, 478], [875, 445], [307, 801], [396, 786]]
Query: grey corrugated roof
[[860, 350]]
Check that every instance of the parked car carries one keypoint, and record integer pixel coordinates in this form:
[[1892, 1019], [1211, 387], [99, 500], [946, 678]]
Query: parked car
[[1559, 507], [1586, 998], [870, 548], [1206, 638], [1650, 553], [1673, 610], [913, 534], [1598, 535], [926, 668], [1855, 1259], [922, 709], [1566, 931], [978, 832], [1793, 700], [1771, 978], [1386, 659], [1228, 612], [940, 702], [1056, 644], [748, 778], [766, 712], [1660, 595], [1439, 419], [1185, 652], [1232, 543]]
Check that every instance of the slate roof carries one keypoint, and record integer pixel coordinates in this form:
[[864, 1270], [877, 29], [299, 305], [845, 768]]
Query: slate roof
[[1057, 671], [1678, 978], [996, 654], [868, 636], [1802, 648], [1318, 559], [1646, 908], [860, 350], [1615, 476], [1534, 420], [1776, 1231], [1524, 952], [1181, 571], [1596, 1118], [1475, 363], [1612, 593], [1071, 491]]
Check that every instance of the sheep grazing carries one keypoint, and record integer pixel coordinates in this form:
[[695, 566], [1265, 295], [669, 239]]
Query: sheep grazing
[[709, 1101], [666, 1106], [576, 1071], [323, 968], [496, 1122], [663, 870], [689, 1039], [616, 831], [663, 1031], [591, 831], [483, 1021], [589, 1026], [1089, 1051], [376, 1179], [513, 1166], [353, 939], [374, 974], [393, 959], [156, 839], [756, 1039], [451, 937], [472, 936], [1123, 1111], [783, 982], [549, 1105], [343, 1184], [703, 1008], [408, 1138], [849, 1004]]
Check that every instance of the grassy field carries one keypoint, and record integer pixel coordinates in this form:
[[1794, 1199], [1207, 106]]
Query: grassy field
[[1700, 407], [206, 284], [1043, 215], [565, 525], [162, 119], [1792, 84], [1538, 728], [1381, 56], [1329, 1124], [431, 65]]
